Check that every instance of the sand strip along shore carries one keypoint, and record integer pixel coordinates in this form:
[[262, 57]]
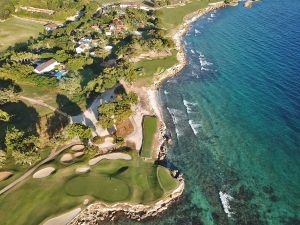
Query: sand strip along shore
[[99, 211]]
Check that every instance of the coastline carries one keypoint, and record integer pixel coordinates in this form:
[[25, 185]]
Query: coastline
[[99, 212]]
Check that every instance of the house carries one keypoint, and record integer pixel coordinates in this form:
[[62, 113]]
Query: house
[[107, 33], [85, 40], [51, 26], [46, 66], [82, 48], [95, 28], [108, 47], [116, 26]]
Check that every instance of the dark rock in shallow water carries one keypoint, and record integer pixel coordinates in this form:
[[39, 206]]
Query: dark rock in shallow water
[[268, 189]]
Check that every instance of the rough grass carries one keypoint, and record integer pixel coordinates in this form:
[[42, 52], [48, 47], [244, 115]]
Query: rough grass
[[36, 200], [149, 128], [15, 30]]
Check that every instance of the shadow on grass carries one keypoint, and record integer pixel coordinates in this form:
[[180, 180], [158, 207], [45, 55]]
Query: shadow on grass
[[23, 117], [55, 124], [67, 106]]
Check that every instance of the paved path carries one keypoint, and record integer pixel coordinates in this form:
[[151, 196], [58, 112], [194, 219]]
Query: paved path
[[52, 155], [90, 116], [42, 103]]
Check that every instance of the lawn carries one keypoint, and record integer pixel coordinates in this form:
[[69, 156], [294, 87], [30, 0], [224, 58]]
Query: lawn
[[149, 129], [35, 200], [16, 30], [172, 17], [154, 66]]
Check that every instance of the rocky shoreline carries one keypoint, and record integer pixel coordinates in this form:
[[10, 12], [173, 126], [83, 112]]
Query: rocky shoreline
[[99, 212]]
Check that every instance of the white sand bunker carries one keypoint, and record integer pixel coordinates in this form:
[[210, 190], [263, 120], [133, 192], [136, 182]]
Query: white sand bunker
[[77, 148], [78, 154], [83, 169], [64, 218], [66, 158], [43, 172], [116, 155], [4, 175]]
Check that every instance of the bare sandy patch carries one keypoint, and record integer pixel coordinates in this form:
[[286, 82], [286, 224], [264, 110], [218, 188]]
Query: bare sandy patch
[[64, 218], [116, 155], [78, 154], [77, 148], [66, 158], [44, 172], [4, 175], [83, 169]]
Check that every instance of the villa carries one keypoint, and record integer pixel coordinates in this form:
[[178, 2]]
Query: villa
[[51, 26], [46, 66]]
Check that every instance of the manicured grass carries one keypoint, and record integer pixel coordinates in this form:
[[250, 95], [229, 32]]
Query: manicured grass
[[36, 200], [172, 17], [15, 30], [149, 128], [99, 186], [167, 182], [157, 65]]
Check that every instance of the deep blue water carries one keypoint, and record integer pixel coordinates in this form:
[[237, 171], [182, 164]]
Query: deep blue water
[[234, 116]]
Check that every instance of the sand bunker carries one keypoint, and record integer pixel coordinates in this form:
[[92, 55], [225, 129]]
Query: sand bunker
[[43, 172], [4, 175], [66, 158], [64, 218], [116, 155], [77, 148], [83, 169], [78, 154]]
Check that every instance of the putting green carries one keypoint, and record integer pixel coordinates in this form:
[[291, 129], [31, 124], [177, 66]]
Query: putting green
[[166, 181], [99, 186]]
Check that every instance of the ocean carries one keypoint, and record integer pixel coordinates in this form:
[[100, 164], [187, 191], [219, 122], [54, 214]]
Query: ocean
[[234, 116]]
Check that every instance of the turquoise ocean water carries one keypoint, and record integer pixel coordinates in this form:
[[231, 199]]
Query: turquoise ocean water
[[234, 117]]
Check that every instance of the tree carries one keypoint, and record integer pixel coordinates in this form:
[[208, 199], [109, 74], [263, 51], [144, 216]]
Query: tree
[[75, 64], [78, 130], [6, 8], [8, 95], [2, 158], [71, 86], [21, 147], [119, 140], [4, 116], [115, 112]]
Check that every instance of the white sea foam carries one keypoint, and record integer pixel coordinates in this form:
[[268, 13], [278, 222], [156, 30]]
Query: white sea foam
[[209, 19], [176, 117], [192, 51], [188, 105], [166, 92], [212, 15], [225, 199], [195, 126], [204, 69], [197, 31], [204, 63]]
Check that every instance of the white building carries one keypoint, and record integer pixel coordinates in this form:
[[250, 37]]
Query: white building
[[46, 66]]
